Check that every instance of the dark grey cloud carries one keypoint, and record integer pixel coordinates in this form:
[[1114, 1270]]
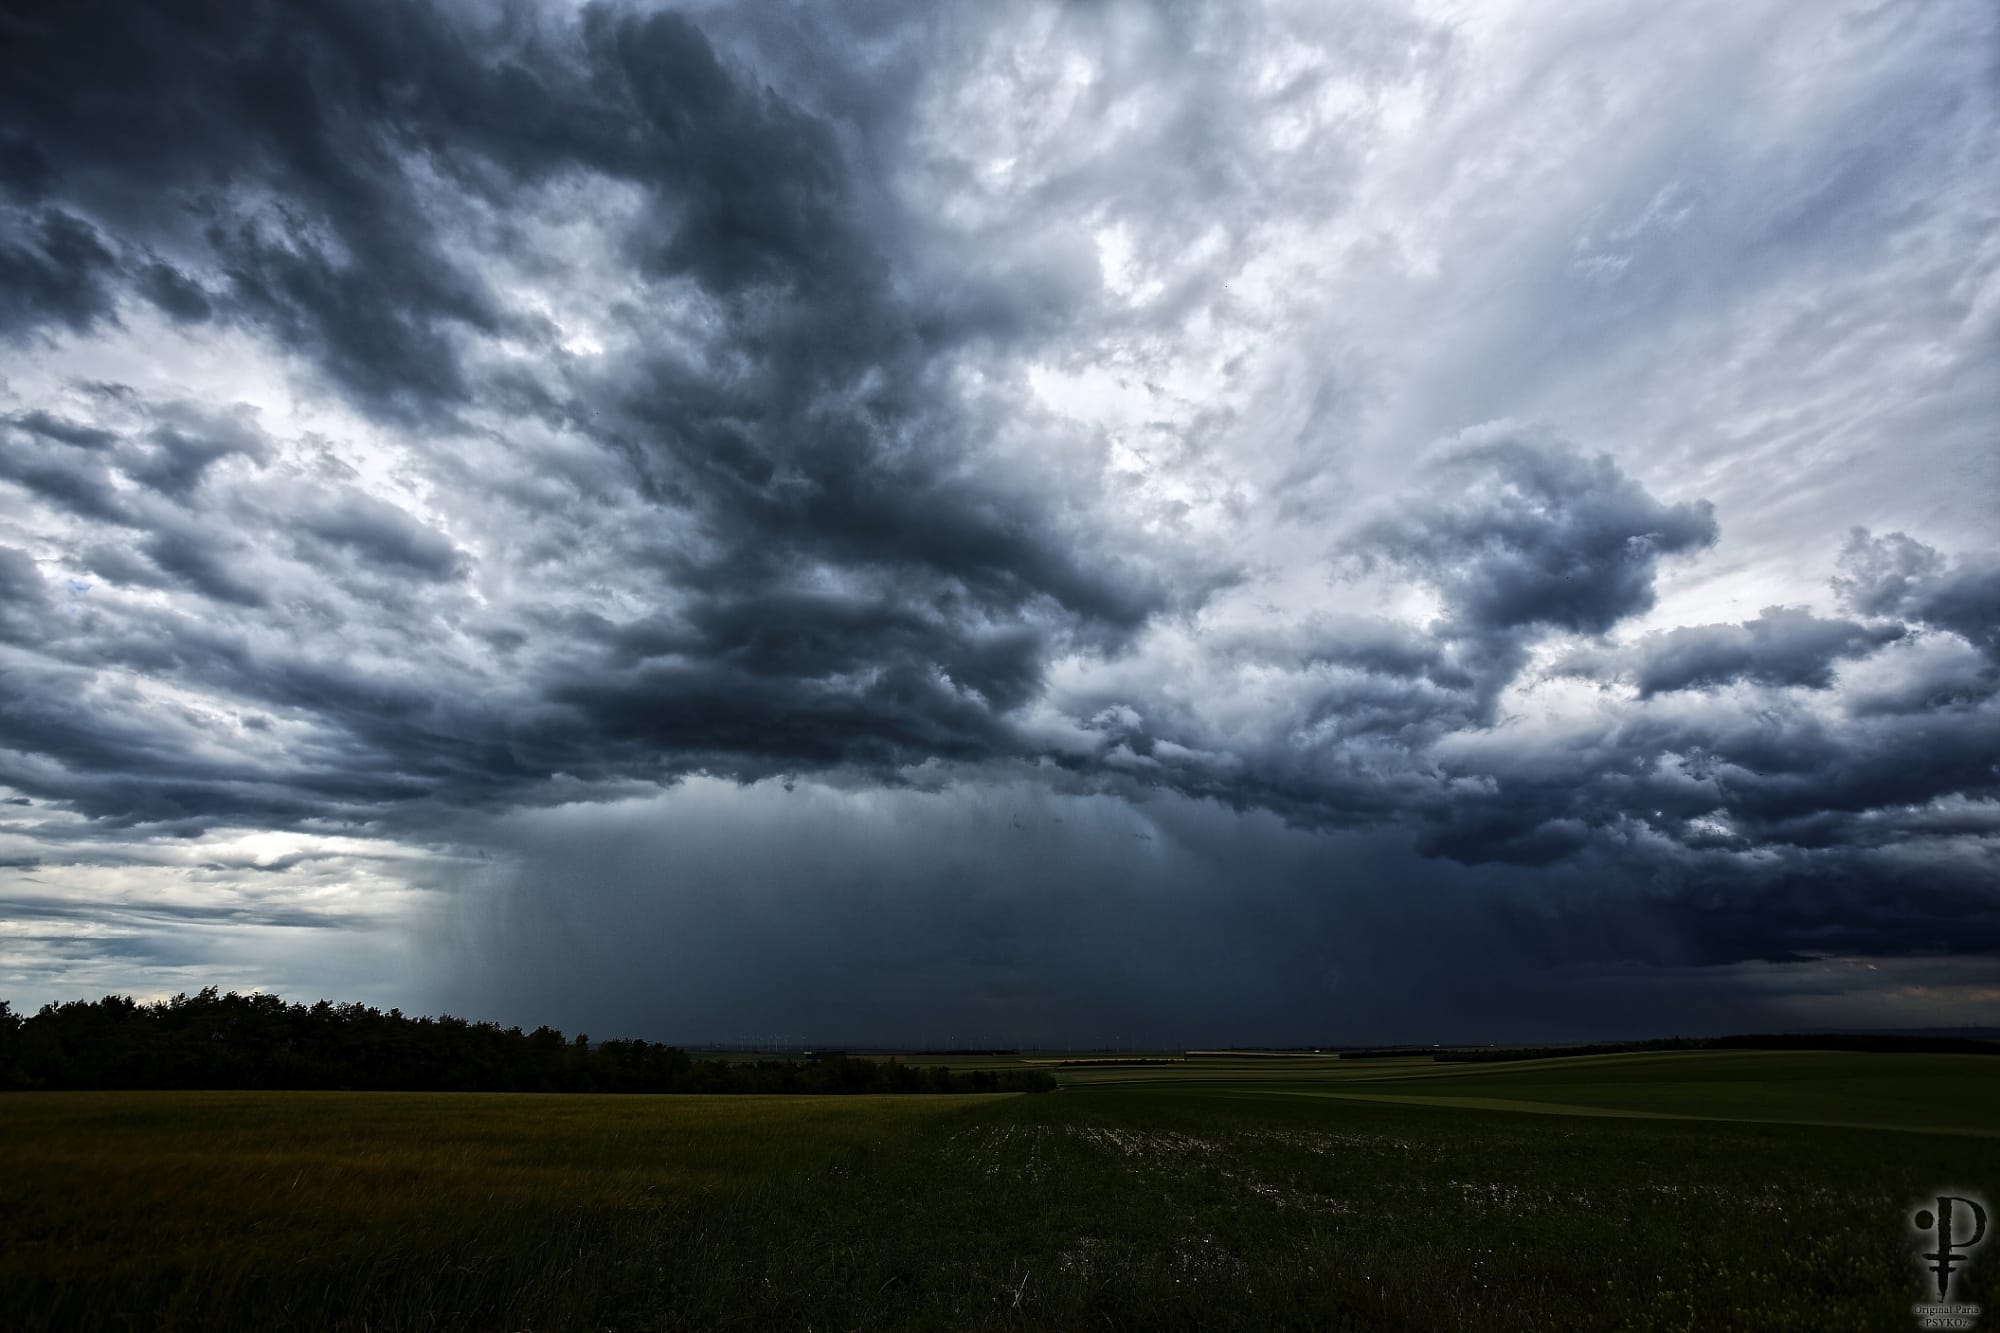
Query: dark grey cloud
[[175, 293], [428, 416], [179, 455], [1518, 540], [266, 132], [55, 269], [846, 594], [1900, 576], [1528, 537], [1003, 914], [23, 596], [92, 470], [1771, 820], [205, 565], [67, 477], [117, 564], [1782, 646], [998, 915], [382, 534], [57, 428]]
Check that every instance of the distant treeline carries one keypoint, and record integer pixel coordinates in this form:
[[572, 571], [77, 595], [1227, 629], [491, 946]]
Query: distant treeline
[[259, 1041], [1810, 1041]]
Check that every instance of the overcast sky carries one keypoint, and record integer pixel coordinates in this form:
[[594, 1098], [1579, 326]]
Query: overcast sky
[[1006, 523]]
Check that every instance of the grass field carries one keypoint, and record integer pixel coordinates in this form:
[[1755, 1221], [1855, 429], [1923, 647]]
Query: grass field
[[1696, 1191]]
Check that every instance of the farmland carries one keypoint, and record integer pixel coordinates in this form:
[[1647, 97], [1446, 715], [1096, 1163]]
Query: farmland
[[1657, 1191]]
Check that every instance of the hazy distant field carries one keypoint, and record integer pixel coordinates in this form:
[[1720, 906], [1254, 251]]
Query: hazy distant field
[[1222, 1191]]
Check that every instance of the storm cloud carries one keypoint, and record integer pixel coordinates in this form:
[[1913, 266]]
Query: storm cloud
[[1438, 501]]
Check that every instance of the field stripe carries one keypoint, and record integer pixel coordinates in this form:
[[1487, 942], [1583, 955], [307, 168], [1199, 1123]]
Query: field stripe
[[1621, 1113], [1495, 1104]]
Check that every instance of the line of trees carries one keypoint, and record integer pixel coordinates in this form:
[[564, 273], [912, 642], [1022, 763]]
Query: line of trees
[[232, 1041]]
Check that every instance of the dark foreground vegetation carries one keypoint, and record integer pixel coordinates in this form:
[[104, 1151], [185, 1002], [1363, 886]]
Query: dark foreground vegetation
[[236, 1041], [1282, 1200]]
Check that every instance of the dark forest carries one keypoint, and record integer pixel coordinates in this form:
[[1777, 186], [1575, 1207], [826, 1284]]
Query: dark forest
[[232, 1041]]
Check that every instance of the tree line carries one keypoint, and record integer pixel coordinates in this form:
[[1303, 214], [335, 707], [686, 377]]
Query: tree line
[[232, 1041]]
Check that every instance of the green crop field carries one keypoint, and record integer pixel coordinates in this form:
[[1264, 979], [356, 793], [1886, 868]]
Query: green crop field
[[1695, 1191]]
